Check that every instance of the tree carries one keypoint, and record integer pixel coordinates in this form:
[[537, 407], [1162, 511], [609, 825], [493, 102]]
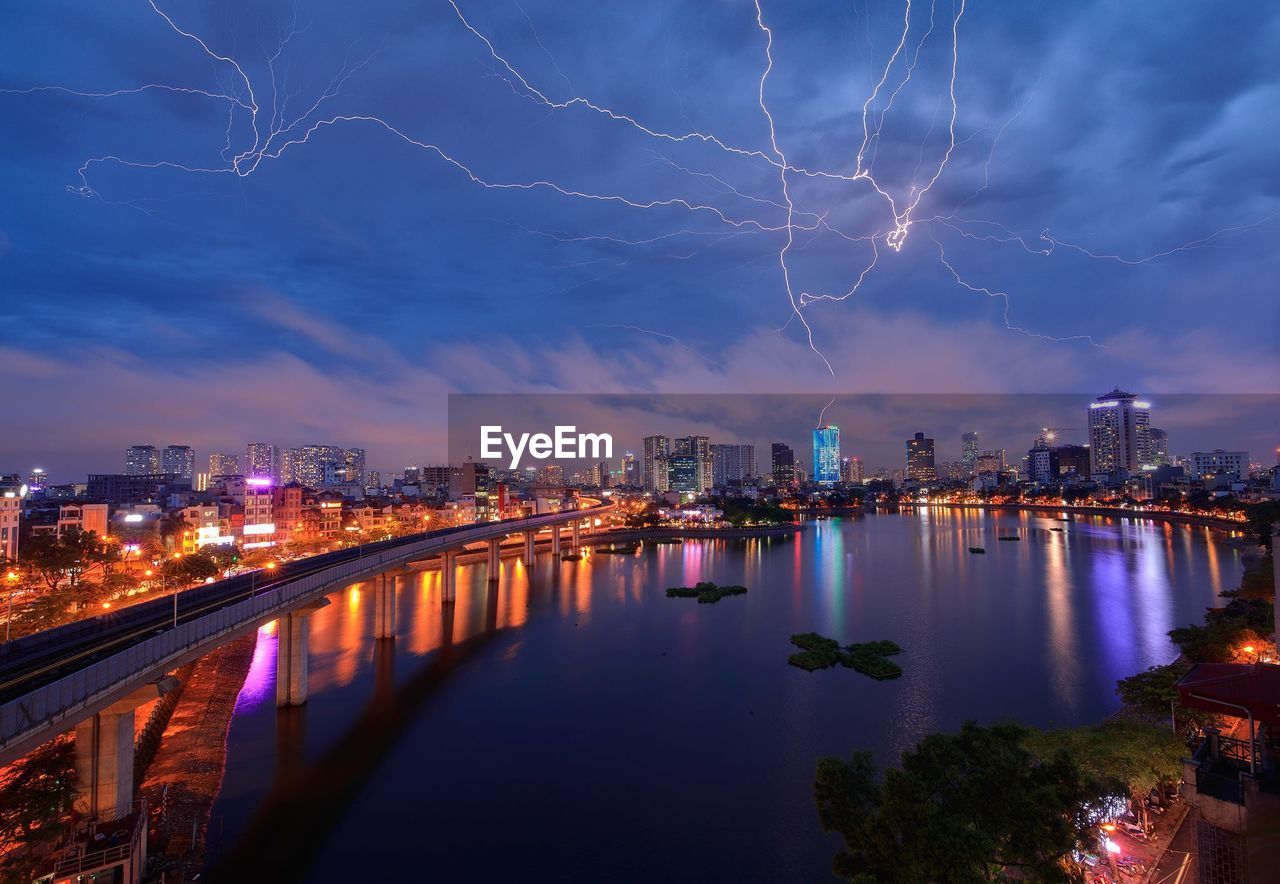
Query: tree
[[1153, 692], [1140, 755], [1261, 516], [961, 808], [36, 795]]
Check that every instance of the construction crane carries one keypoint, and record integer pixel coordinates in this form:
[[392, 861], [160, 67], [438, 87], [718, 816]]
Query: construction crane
[[1050, 434]]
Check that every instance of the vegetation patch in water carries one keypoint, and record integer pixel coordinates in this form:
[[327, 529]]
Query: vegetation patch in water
[[820, 652], [706, 592]]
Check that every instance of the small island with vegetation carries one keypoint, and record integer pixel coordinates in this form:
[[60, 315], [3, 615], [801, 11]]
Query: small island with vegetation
[[706, 592], [820, 652]]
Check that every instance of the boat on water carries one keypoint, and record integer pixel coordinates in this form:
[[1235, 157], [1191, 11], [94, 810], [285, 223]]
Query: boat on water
[[1055, 529], [1010, 537], [621, 550], [571, 557], [977, 549], [668, 540]]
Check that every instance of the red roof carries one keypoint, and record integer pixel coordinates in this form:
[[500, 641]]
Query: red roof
[[1223, 688]]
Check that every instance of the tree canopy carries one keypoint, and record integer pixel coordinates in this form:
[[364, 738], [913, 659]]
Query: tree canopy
[[961, 808]]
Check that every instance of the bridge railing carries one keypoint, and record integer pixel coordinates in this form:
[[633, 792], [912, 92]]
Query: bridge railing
[[72, 696]]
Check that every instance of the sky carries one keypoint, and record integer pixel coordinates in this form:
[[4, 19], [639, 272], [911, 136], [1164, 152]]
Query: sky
[[312, 221]]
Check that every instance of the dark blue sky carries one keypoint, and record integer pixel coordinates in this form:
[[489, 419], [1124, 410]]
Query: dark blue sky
[[337, 289]]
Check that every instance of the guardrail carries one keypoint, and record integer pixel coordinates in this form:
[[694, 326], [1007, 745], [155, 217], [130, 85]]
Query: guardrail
[[75, 696]]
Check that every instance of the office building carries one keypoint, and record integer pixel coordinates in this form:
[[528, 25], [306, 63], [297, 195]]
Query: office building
[[783, 465], [991, 461], [141, 460], [123, 488], [920, 465], [684, 474], [632, 471], [1119, 438], [656, 451], [698, 447], [826, 455], [37, 481], [178, 460]]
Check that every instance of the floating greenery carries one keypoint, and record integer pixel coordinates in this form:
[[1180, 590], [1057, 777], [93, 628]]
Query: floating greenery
[[820, 652], [706, 592]]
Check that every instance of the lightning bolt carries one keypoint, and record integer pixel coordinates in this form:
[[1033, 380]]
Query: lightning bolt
[[261, 129]]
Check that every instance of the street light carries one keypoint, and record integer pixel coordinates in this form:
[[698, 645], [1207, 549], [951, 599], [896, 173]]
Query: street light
[[11, 578]]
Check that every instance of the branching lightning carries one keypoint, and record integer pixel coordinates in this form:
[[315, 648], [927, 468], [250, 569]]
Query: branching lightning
[[260, 129]]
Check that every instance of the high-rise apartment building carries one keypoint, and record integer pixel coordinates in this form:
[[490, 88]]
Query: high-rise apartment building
[[731, 464], [782, 464], [920, 464], [1119, 433], [1219, 464], [261, 461], [178, 460], [632, 473], [851, 470], [826, 455], [969, 452], [1158, 447], [656, 451], [321, 465], [141, 460], [224, 465], [354, 467]]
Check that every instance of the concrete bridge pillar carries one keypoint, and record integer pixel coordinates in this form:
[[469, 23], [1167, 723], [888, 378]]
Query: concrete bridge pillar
[[555, 541], [384, 606], [495, 559], [293, 630], [530, 545], [104, 753], [448, 575], [577, 534]]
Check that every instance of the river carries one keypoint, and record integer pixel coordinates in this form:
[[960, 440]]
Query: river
[[587, 728]]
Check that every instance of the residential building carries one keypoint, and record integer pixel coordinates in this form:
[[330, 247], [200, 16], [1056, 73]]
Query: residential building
[[261, 461], [10, 520], [656, 451], [259, 509], [84, 517], [1219, 464], [141, 460], [125, 488], [178, 460], [969, 452], [851, 470], [732, 464], [224, 465]]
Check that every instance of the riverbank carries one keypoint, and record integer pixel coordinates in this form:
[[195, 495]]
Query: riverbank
[[1112, 511], [186, 774]]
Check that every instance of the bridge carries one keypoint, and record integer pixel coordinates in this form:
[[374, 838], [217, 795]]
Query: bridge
[[93, 674]]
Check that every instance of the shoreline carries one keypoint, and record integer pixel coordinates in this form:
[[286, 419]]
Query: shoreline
[[1112, 511]]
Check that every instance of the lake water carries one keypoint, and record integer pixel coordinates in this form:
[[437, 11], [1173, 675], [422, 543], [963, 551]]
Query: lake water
[[587, 728]]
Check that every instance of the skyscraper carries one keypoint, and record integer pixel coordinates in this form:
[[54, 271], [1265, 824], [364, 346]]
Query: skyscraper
[[920, 464], [631, 471], [969, 453], [1157, 446], [353, 461], [783, 465], [180, 460], [851, 472], [224, 465], [699, 448], [1119, 437], [656, 451], [826, 455], [320, 465], [731, 464], [261, 461], [141, 460]]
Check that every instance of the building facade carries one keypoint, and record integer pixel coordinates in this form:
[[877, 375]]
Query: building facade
[[782, 464], [826, 455], [920, 463], [1119, 437], [656, 451], [141, 460]]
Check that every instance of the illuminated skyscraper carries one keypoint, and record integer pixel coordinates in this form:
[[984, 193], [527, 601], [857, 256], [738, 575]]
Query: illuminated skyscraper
[[656, 451], [141, 460], [826, 455], [1157, 446], [731, 464], [224, 465], [179, 460], [261, 461], [969, 453], [920, 465], [783, 465], [631, 471], [1119, 433]]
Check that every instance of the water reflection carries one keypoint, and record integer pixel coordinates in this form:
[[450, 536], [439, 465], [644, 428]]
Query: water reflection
[[579, 694]]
